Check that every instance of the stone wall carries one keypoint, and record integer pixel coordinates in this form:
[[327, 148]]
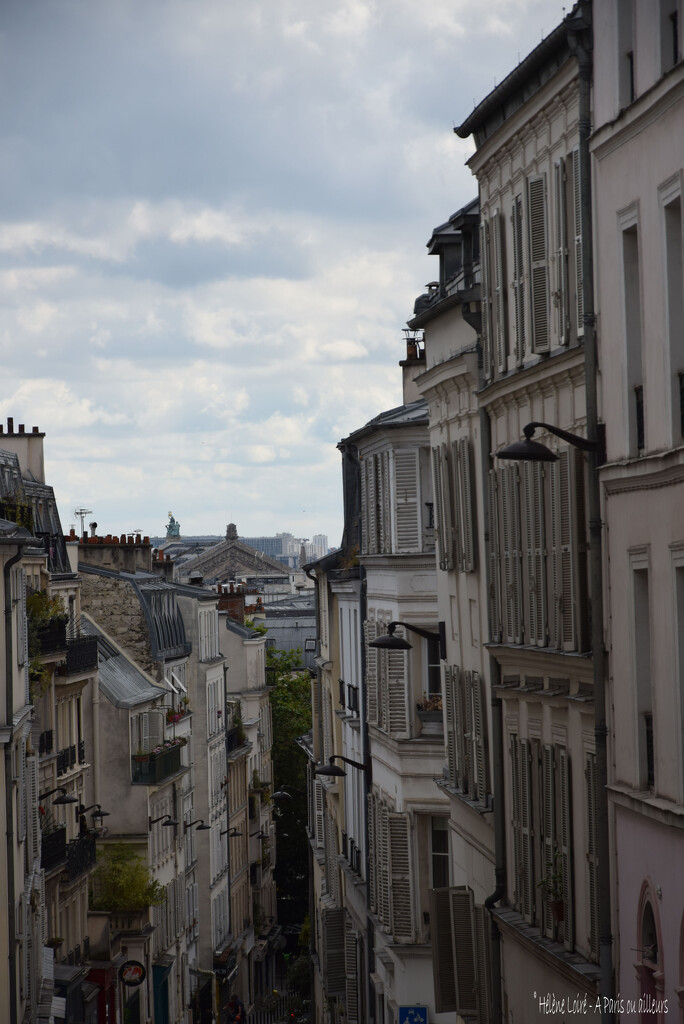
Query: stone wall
[[114, 606]]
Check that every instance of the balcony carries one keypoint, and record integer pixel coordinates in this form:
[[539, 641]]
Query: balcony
[[81, 655], [80, 856], [45, 742], [149, 769], [52, 636], [53, 852], [69, 757]]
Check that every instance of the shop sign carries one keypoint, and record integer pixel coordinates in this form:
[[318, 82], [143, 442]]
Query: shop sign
[[132, 972]]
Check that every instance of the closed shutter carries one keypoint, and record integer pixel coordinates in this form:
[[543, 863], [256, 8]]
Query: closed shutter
[[351, 973], [406, 490], [364, 508], [549, 826], [485, 304], [577, 232], [510, 514], [33, 824], [527, 830], [397, 690], [562, 303], [479, 745], [468, 739], [535, 552], [483, 960], [319, 832], [370, 631], [494, 571], [372, 504], [451, 674], [515, 823], [563, 573], [443, 972], [43, 907], [466, 516], [333, 941], [539, 264], [400, 871], [592, 854], [383, 844], [518, 279], [499, 320], [565, 793], [372, 854], [442, 500], [385, 504], [462, 905]]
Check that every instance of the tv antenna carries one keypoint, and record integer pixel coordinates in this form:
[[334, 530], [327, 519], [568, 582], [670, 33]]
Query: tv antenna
[[82, 513]]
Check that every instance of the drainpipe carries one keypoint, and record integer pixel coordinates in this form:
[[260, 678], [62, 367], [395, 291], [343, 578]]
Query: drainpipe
[[9, 802], [580, 41], [497, 757], [312, 971]]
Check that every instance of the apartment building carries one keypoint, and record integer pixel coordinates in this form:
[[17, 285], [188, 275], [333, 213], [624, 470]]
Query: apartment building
[[638, 167]]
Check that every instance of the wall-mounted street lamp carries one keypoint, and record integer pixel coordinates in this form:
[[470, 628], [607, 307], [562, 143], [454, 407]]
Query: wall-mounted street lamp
[[534, 451], [169, 821], [201, 827], [260, 834], [65, 797], [391, 642], [334, 770], [282, 794], [231, 832], [97, 813]]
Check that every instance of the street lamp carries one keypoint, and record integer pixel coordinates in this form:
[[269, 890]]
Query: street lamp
[[389, 641], [169, 821], [231, 832], [65, 798], [533, 451], [334, 770], [201, 827]]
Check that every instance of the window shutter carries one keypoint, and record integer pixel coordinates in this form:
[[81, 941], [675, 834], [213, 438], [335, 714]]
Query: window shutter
[[485, 304], [351, 975], [518, 280], [468, 738], [562, 519], [577, 230], [510, 508], [400, 861], [34, 835], [443, 971], [23, 779], [549, 828], [527, 830], [397, 690], [331, 868], [333, 941], [592, 854], [406, 499], [442, 500], [372, 854], [319, 812], [536, 551], [364, 508], [372, 504], [565, 792], [515, 822], [384, 910], [483, 956], [462, 905], [464, 497], [451, 695], [479, 746], [180, 920], [561, 253], [539, 263], [499, 284], [494, 588], [21, 631], [370, 631], [385, 504]]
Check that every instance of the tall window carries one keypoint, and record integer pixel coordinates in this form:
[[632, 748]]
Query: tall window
[[439, 842], [669, 34], [674, 307], [642, 676], [632, 314], [626, 84]]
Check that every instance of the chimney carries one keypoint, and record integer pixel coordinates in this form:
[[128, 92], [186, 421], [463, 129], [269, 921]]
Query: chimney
[[412, 365]]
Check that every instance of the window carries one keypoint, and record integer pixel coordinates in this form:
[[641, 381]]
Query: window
[[669, 34], [208, 635], [499, 291], [439, 841], [626, 89], [486, 329], [642, 672], [561, 295], [466, 734], [670, 199]]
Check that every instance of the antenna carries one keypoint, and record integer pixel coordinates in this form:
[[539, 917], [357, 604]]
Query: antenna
[[82, 513]]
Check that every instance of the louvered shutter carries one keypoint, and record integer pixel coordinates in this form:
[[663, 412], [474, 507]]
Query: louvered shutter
[[43, 909], [333, 940], [549, 827], [364, 508], [443, 970], [443, 510], [400, 881], [370, 631], [516, 822], [561, 252], [565, 636], [565, 793], [485, 304], [510, 509], [494, 587], [460, 719], [527, 830], [592, 854], [351, 973], [386, 504], [384, 906], [462, 904], [539, 263], [535, 552], [23, 780], [450, 695], [319, 810], [468, 739], [466, 546], [483, 959], [499, 319], [33, 823], [180, 920], [397, 689], [577, 230], [372, 854], [406, 490], [372, 504], [21, 631], [518, 279], [479, 745]]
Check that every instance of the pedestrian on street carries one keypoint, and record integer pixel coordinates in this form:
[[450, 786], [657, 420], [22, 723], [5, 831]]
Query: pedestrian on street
[[236, 1011]]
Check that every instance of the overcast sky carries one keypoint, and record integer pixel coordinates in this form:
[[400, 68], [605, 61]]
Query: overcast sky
[[213, 219]]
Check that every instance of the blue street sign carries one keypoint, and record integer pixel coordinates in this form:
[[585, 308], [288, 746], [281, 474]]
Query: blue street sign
[[413, 1015]]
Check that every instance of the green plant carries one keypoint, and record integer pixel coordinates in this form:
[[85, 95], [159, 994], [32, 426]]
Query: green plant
[[432, 703], [552, 882], [122, 881], [41, 611]]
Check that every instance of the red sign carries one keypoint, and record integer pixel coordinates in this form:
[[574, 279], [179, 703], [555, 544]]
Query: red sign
[[132, 972]]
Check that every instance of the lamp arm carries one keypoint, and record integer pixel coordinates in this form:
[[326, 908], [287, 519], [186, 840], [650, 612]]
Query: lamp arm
[[565, 435], [355, 764], [414, 629]]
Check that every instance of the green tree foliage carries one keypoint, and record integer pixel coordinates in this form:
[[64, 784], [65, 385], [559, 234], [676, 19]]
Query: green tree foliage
[[122, 881]]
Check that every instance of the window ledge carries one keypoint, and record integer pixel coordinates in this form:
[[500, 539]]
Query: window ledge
[[576, 969], [475, 805]]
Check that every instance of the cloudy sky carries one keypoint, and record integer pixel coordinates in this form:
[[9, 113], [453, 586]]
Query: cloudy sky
[[213, 219]]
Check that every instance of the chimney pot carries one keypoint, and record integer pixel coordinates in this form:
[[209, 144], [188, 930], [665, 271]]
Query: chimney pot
[[21, 428], [122, 538], [10, 425], [146, 540], [2, 428], [35, 430]]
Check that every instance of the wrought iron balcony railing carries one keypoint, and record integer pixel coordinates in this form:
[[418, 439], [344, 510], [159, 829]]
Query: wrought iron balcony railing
[[80, 856], [151, 768], [53, 849], [81, 654]]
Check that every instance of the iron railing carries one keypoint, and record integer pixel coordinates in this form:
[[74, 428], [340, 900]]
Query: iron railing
[[53, 849], [80, 856], [45, 742], [81, 654], [150, 769]]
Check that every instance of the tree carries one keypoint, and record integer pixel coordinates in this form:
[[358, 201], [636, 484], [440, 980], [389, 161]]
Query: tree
[[122, 881]]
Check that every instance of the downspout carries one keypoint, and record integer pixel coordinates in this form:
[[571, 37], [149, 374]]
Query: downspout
[[9, 802], [312, 930], [497, 757], [580, 41]]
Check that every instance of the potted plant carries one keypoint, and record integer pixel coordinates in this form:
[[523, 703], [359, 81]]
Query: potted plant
[[430, 708], [552, 886]]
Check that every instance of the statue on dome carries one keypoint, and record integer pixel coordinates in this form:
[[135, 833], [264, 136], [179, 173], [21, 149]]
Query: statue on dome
[[173, 528]]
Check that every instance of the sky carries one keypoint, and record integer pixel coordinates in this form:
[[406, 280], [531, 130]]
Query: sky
[[213, 220]]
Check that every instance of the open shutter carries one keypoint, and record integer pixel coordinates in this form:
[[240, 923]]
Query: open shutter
[[443, 510], [483, 957], [319, 832], [592, 854], [406, 489], [443, 971], [33, 824], [563, 527], [23, 785], [539, 263], [518, 279], [462, 905], [485, 304], [562, 304], [494, 588], [535, 552], [498, 296], [526, 830], [565, 792], [385, 504], [510, 509], [351, 973], [516, 823], [400, 860], [383, 841], [397, 689], [549, 827], [372, 854], [577, 230], [364, 509], [451, 674], [334, 957], [479, 746], [464, 499], [370, 631], [372, 504], [468, 739], [22, 632]]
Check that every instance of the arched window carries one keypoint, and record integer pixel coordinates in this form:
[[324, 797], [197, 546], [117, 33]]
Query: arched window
[[650, 964]]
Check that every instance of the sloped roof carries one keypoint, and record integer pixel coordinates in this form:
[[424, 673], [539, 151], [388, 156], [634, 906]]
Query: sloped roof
[[122, 682]]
